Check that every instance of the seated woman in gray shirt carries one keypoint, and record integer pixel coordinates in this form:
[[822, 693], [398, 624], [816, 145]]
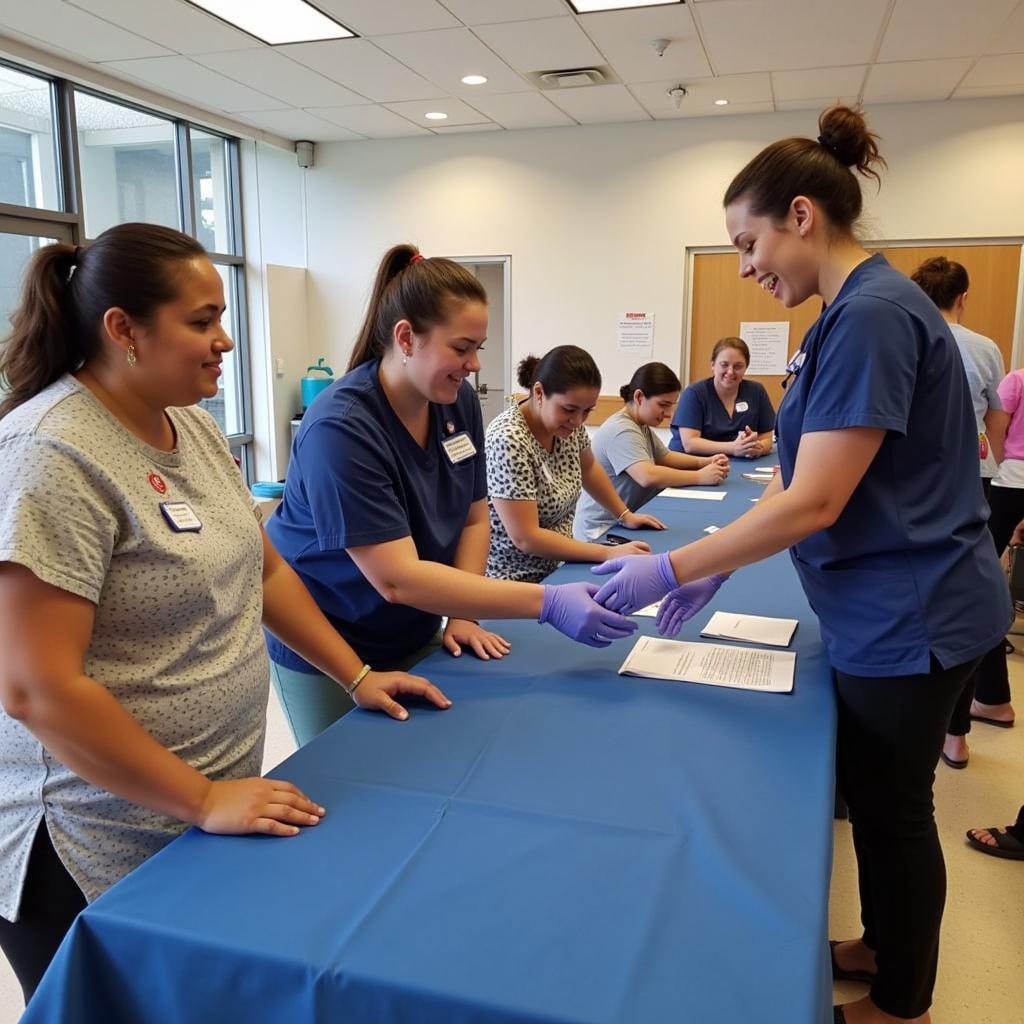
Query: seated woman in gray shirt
[[135, 581], [635, 458]]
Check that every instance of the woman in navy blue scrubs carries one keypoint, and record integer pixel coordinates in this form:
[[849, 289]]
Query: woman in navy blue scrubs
[[384, 515], [724, 414], [876, 437]]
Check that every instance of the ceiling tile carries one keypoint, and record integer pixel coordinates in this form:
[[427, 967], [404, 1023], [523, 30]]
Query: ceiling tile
[[700, 97], [183, 77], [816, 103], [954, 29], [372, 121], [764, 35], [764, 107], [909, 81], [458, 129], [487, 12], [996, 72], [380, 17], [839, 83], [172, 23], [522, 110], [457, 111], [299, 125], [54, 24], [1010, 37], [362, 67], [273, 73], [624, 37], [446, 55], [599, 104], [543, 45]]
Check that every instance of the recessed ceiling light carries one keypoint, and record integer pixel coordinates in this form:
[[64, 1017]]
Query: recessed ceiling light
[[436, 115], [588, 6], [474, 80], [721, 103], [283, 21]]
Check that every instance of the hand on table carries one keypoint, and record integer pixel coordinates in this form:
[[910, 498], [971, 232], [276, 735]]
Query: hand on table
[[641, 521], [638, 581], [633, 547], [484, 644], [572, 610], [684, 602], [746, 445], [712, 472], [270, 806], [378, 689]]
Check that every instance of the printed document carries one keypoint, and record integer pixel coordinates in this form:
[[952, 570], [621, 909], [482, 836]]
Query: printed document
[[740, 668], [692, 492], [755, 629]]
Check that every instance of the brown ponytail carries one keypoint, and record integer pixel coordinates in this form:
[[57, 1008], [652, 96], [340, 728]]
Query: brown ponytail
[[821, 169], [68, 289], [651, 379], [942, 280], [419, 290]]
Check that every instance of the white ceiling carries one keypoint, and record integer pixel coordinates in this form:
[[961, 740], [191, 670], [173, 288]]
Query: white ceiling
[[761, 55]]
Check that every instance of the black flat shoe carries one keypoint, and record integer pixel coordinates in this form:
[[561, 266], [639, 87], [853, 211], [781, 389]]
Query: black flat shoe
[[838, 1017], [952, 762], [841, 974]]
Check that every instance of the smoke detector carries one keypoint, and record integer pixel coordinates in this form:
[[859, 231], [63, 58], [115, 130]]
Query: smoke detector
[[660, 46]]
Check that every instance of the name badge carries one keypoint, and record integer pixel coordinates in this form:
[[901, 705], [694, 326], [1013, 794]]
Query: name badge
[[458, 448], [742, 406], [180, 517]]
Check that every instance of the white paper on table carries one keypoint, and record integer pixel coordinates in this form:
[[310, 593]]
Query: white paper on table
[[755, 629], [739, 668], [759, 477], [650, 611], [692, 492]]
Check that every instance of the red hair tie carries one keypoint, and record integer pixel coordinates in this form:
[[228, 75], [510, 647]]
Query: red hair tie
[[415, 258]]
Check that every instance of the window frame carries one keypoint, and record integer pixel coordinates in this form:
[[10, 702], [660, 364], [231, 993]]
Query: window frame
[[68, 223]]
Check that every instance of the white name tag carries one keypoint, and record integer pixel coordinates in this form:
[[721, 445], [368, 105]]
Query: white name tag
[[180, 517], [459, 448], [742, 406]]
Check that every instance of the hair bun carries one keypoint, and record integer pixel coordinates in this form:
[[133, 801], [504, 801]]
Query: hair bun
[[845, 134], [525, 371]]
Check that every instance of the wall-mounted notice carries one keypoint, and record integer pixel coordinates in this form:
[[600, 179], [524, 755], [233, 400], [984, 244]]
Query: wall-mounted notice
[[636, 332], [768, 341]]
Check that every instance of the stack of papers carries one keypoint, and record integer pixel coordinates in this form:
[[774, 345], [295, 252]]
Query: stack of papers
[[755, 629], [739, 668], [692, 492]]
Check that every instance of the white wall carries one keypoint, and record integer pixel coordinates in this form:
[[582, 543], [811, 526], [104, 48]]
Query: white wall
[[597, 219]]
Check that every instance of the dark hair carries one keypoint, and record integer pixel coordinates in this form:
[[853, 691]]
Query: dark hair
[[564, 367], [737, 343], [56, 327], [818, 169], [421, 291], [651, 379], [942, 280]]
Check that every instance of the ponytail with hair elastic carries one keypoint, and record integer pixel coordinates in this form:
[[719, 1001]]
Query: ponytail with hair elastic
[[409, 286], [651, 379]]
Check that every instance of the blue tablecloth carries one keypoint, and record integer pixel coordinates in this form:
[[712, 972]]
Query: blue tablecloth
[[563, 845]]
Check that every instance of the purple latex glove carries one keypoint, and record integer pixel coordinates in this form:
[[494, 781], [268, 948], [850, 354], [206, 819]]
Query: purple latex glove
[[639, 580], [572, 610], [684, 602]]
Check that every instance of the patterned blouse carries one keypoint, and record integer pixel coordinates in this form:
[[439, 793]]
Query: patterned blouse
[[519, 469]]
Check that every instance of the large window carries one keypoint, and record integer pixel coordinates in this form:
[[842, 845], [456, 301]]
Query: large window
[[73, 163]]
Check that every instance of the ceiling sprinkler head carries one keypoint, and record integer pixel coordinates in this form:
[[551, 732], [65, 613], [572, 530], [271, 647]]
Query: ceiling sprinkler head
[[677, 92], [660, 46]]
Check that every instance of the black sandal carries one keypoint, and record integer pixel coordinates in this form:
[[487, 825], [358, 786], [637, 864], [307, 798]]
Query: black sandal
[[841, 974], [1007, 844], [838, 1016]]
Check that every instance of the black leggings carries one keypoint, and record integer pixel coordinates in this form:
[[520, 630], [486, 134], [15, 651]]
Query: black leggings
[[890, 735], [50, 901]]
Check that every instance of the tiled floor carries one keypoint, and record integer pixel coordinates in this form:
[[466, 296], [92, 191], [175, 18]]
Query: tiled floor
[[981, 973]]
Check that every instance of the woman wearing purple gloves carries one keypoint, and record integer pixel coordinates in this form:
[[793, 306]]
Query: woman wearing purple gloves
[[876, 436]]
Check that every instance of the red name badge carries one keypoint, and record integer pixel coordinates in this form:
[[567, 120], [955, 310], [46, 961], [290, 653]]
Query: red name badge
[[157, 483]]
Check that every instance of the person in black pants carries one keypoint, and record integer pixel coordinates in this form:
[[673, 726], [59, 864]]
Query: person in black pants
[[876, 437]]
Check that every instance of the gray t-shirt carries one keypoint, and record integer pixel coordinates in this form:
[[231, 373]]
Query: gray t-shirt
[[983, 363], [619, 443], [519, 469], [177, 638]]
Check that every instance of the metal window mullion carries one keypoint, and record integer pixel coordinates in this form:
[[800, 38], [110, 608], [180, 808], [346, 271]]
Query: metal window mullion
[[242, 342], [186, 197], [68, 156]]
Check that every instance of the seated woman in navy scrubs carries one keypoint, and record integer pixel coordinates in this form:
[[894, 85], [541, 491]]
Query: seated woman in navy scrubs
[[384, 515], [724, 414], [876, 438]]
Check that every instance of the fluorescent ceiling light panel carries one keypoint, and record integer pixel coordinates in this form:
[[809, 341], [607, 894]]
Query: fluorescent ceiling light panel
[[589, 6], [474, 80], [276, 21], [436, 115]]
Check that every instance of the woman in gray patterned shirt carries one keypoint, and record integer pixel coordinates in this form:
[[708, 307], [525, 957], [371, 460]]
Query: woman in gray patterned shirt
[[135, 580]]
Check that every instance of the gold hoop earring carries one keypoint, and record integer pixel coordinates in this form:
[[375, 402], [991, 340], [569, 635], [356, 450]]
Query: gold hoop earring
[[132, 360]]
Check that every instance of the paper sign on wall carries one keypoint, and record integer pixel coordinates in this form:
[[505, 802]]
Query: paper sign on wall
[[768, 341], [636, 332]]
